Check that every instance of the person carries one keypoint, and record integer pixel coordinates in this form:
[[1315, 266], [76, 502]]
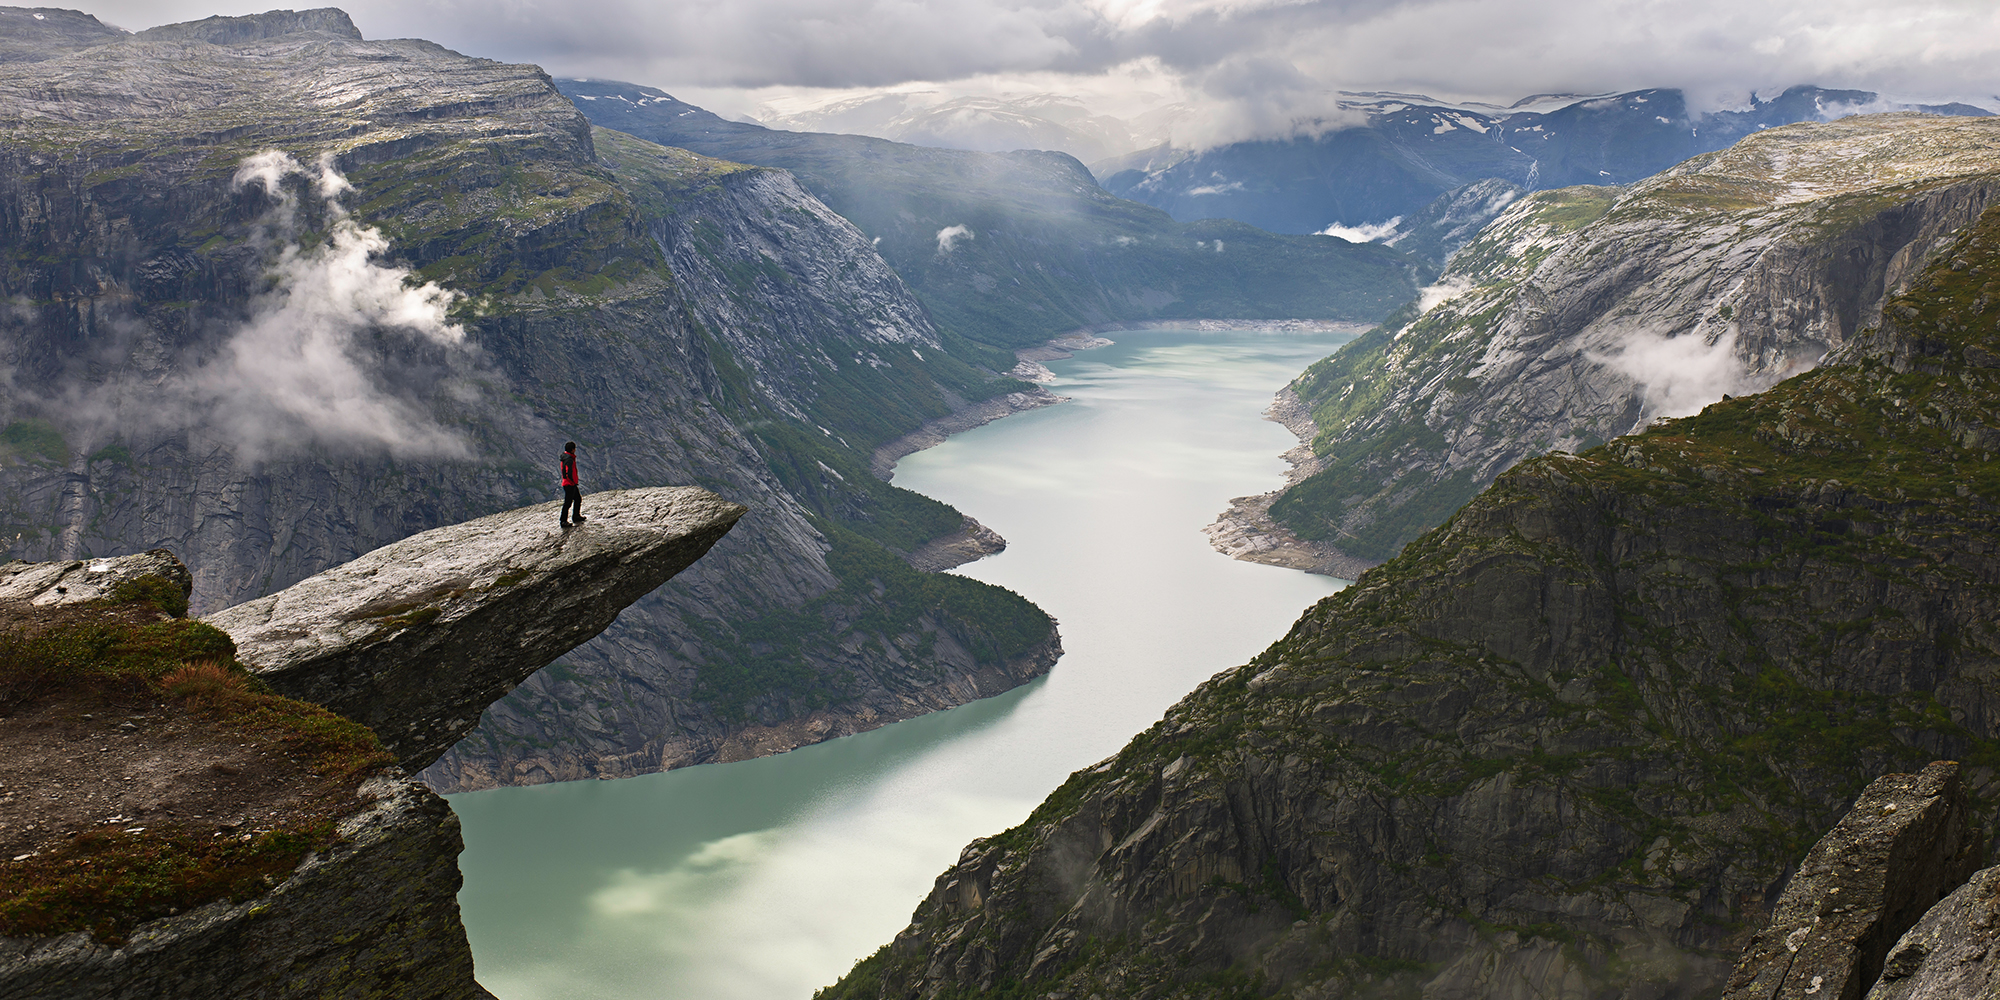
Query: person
[[572, 496]]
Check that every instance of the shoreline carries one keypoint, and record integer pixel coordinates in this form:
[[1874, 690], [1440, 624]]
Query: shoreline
[[1246, 530]]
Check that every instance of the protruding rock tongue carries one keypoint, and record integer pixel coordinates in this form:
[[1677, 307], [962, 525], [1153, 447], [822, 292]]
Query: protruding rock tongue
[[417, 638]]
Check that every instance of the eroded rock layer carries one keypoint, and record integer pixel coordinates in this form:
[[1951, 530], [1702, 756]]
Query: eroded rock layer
[[375, 915], [1907, 842]]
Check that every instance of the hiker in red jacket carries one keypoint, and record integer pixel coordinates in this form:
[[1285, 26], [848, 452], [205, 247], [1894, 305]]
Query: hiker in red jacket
[[572, 497]]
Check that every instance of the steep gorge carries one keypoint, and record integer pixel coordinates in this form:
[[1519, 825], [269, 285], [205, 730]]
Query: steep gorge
[[1570, 743]]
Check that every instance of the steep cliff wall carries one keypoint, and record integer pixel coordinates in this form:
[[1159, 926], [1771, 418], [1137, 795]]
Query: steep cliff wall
[[1585, 313], [1567, 745], [187, 369]]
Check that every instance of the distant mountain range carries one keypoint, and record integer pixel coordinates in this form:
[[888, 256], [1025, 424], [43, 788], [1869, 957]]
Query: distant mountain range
[[985, 124], [1011, 249], [1413, 149]]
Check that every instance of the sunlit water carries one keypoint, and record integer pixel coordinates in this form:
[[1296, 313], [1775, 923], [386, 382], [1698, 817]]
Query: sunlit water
[[766, 879]]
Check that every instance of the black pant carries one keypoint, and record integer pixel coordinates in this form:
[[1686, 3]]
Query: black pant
[[572, 497]]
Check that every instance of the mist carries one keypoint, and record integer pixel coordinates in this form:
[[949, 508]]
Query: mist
[[339, 353], [1680, 374], [305, 370]]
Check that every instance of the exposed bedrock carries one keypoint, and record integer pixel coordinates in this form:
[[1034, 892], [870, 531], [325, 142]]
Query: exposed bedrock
[[374, 916], [417, 638], [1950, 954], [77, 580], [1908, 841]]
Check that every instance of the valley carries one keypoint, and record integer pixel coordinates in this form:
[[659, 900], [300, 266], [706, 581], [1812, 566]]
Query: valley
[[1641, 463]]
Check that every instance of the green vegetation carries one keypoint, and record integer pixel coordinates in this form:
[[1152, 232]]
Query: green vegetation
[[157, 591], [108, 881], [1656, 671], [880, 599], [34, 439]]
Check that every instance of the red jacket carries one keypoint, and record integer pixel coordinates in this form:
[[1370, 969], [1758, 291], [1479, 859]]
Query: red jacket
[[569, 468]]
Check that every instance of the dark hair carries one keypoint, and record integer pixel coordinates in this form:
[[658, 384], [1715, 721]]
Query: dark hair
[[570, 446]]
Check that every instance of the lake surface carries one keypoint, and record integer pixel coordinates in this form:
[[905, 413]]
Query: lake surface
[[767, 879]]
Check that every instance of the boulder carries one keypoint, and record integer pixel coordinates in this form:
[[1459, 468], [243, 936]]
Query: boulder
[[1907, 842], [417, 638], [1950, 953]]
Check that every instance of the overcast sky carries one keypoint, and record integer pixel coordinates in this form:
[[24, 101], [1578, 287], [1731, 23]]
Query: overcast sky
[[1261, 64]]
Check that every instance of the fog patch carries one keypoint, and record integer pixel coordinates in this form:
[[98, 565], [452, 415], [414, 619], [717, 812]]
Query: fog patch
[[1367, 232], [1680, 375], [1430, 297], [310, 366], [950, 235]]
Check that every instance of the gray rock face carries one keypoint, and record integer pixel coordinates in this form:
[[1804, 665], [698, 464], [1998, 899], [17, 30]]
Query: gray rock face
[[1908, 841], [583, 319], [1582, 314], [417, 638], [1953, 953], [375, 916], [1567, 746], [82, 580]]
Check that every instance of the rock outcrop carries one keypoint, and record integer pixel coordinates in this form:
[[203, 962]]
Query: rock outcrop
[[1953, 953], [685, 320], [375, 915], [80, 580], [1582, 314], [1569, 745], [417, 638], [1908, 841]]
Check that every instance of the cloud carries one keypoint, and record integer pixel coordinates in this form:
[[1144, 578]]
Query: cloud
[[1680, 374], [1367, 232], [307, 369], [952, 234], [1244, 67], [339, 353]]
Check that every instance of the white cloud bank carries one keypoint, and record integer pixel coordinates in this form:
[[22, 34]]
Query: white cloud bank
[[1681, 374], [950, 235], [1367, 232], [1244, 68], [301, 372]]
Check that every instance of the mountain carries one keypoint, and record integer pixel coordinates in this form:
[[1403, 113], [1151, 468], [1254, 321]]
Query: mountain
[[280, 295], [1410, 149], [1012, 249], [987, 124], [1568, 745], [1584, 313]]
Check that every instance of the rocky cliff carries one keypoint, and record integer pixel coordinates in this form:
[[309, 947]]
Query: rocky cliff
[[1582, 314], [1012, 249], [281, 294], [1569, 744], [228, 841], [415, 639]]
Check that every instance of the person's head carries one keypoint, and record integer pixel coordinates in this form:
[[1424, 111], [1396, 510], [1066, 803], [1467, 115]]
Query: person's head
[[570, 446]]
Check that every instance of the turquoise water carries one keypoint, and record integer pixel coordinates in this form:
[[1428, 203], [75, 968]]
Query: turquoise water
[[766, 879]]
